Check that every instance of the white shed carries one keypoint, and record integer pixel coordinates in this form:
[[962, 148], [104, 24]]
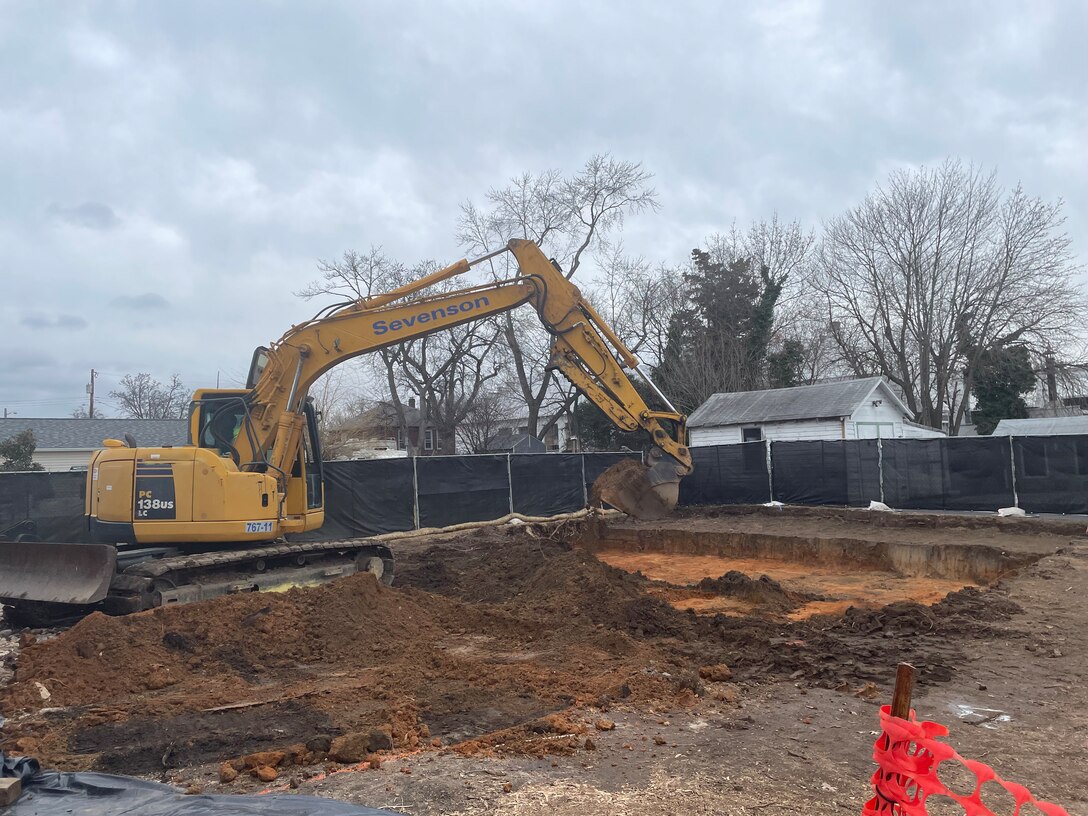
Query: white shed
[[848, 409]]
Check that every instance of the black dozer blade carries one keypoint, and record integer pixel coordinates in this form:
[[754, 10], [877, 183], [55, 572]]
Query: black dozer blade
[[56, 573]]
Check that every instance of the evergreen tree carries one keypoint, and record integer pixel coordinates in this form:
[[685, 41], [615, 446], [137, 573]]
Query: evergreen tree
[[718, 341], [1002, 376]]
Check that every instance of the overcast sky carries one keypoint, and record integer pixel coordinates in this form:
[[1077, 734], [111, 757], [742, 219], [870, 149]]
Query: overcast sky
[[170, 172]]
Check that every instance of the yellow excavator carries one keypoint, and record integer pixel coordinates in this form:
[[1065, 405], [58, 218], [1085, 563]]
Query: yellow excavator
[[178, 524]]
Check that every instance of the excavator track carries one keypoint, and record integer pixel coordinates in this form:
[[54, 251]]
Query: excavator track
[[146, 578]]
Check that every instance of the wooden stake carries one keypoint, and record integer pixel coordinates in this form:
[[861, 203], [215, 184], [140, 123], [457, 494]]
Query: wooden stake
[[904, 687]]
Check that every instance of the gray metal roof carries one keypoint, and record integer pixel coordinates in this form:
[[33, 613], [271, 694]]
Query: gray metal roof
[[1042, 426], [87, 434], [820, 401]]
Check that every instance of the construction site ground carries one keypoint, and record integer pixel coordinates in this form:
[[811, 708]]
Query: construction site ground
[[721, 661]]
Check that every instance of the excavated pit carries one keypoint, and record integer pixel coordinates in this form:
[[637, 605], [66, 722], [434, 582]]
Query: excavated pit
[[750, 573], [512, 640]]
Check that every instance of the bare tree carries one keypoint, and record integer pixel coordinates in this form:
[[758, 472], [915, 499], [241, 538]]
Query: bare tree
[[936, 268], [447, 369], [637, 300], [570, 218], [484, 418], [141, 396]]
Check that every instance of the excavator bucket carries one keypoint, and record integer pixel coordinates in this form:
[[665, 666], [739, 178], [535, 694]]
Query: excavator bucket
[[638, 490], [56, 573]]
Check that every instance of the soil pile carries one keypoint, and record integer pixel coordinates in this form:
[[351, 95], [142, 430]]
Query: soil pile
[[484, 637], [764, 591]]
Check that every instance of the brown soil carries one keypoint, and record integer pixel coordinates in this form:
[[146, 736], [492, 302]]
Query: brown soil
[[494, 642]]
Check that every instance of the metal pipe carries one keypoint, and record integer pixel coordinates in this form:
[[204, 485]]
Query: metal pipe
[[656, 390], [488, 256], [294, 384]]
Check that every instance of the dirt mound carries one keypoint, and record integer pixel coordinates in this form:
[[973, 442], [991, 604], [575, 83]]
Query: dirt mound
[[966, 612], [539, 578], [485, 634], [765, 591], [357, 620]]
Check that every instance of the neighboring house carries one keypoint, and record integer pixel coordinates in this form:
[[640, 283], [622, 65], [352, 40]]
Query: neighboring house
[[847, 409], [67, 444], [377, 433], [505, 432], [511, 441], [1043, 426]]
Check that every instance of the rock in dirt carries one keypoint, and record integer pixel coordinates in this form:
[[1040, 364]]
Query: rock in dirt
[[267, 774], [319, 744], [350, 748], [227, 774], [604, 725], [380, 740], [268, 759], [718, 673]]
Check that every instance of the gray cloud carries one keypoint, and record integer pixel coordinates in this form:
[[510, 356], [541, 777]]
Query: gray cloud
[[240, 152], [148, 300], [90, 214], [59, 321]]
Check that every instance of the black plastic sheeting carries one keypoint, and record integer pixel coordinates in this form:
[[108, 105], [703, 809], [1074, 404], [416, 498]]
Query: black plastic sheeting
[[366, 497], [958, 473], [728, 474], [1051, 473], [843, 472], [547, 485], [369, 497], [458, 489], [52, 793], [52, 500]]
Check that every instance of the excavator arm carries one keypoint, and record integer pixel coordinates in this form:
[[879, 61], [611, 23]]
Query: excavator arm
[[584, 348]]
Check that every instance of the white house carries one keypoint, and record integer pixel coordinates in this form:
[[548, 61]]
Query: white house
[[849, 409], [67, 444]]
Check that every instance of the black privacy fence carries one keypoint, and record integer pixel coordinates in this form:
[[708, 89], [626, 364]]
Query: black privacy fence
[[1041, 474]]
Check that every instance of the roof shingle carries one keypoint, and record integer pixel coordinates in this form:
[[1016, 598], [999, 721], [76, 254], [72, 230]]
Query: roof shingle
[[87, 434]]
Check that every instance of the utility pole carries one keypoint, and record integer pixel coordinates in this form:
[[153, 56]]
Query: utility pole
[[90, 391], [6, 413]]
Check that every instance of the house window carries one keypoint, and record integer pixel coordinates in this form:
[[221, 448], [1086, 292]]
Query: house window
[[428, 439], [400, 439], [751, 434]]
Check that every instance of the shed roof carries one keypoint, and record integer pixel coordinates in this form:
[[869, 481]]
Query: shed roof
[[1042, 426], [819, 401], [87, 434]]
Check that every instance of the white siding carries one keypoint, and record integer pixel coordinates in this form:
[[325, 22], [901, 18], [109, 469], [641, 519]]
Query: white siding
[[775, 431], [62, 459], [717, 435], [805, 429], [912, 431]]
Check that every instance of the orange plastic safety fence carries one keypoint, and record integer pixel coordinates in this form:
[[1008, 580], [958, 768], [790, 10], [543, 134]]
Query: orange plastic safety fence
[[908, 755]]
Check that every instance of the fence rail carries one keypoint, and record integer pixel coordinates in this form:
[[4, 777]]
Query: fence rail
[[366, 497]]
